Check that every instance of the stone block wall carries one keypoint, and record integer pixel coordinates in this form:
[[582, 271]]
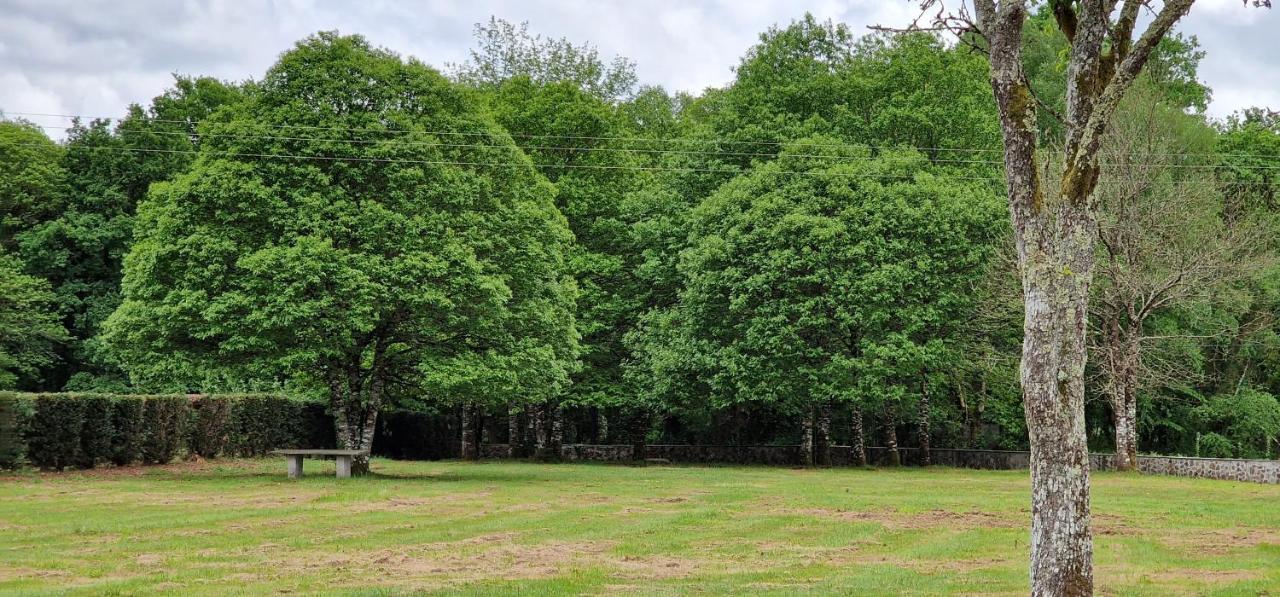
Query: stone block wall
[[1254, 471]]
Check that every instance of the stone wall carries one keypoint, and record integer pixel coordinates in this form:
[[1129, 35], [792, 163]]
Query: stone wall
[[1256, 471]]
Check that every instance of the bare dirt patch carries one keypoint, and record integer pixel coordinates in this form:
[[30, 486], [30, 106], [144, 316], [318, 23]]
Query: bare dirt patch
[[910, 521], [1221, 541], [429, 503]]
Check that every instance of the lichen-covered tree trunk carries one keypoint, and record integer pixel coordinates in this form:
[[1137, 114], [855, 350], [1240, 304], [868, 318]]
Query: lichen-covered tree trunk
[[822, 435], [638, 432], [1057, 268], [923, 426], [515, 440], [1121, 350], [355, 399], [892, 456], [470, 438], [1055, 232], [857, 440], [806, 439]]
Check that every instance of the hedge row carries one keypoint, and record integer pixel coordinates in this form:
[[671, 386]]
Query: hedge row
[[58, 431]]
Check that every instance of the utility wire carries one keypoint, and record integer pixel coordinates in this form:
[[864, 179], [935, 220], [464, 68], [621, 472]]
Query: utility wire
[[516, 164], [625, 150], [579, 137]]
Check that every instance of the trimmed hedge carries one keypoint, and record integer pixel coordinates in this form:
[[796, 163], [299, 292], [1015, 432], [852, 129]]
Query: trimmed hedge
[[59, 431]]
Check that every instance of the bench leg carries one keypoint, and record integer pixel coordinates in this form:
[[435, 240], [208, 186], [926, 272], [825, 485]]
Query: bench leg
[[344, 467], [295, 466]]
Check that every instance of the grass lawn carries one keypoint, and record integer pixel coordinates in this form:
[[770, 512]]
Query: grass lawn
[[511, 528]]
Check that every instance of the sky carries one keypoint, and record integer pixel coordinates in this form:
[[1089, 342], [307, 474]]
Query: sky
[[94, 58]]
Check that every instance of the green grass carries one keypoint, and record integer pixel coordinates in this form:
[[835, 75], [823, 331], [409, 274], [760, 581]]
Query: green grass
[[517, 528]]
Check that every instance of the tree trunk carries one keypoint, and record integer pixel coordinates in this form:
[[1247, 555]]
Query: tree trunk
[[355, 417], [822, 435], [923, 424], [514, 443], [639, 433], [470, 439], [857, 442], [549, 432], [806, 439], [1120, 365], [892, 456]]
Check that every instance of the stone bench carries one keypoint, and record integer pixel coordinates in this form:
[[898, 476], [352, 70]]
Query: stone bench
[[343, 459]]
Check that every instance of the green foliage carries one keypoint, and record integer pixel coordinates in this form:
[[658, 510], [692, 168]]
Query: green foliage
[[31, 180], [97, 433], [128, 429], [209, 425], [808, 281], [408, 264], [29, 327], [16, 411], [54, 432], [164, 420], [1250, 418], [508, 51]]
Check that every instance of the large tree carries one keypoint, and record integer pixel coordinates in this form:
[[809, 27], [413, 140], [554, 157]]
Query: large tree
[[109, 169], [1164, 246], [829, 279], [355, 225], [29, 327], [1053, 206]]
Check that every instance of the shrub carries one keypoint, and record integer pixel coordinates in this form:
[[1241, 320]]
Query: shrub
[[209, 430], [128, 432], [96, 434], [15, 415], [164, 419], [53, 437]]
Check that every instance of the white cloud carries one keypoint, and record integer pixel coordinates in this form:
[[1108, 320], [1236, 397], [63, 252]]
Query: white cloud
[[96, 57]]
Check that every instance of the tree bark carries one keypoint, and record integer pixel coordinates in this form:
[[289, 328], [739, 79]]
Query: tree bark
[[857, 442], [355, 398], [806, 439], [639, 433], [1055, 233], [892, 456], [923, 424], [1121, 359], [470, 439], [822, 435], [548, 431]]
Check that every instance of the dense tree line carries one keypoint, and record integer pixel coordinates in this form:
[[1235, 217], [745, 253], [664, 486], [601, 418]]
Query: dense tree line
[[816, 253]]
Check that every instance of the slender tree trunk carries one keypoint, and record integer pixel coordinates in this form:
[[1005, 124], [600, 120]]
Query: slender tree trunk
[[355, 405], [639, 432], [892, 456], [470, 439], [1121, 368], [822, 435], [923, 424], [549, 431], [514, 443], [806, 439], [857, 441]]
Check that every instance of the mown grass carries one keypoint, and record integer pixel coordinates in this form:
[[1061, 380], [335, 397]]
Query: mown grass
[[519, 528]]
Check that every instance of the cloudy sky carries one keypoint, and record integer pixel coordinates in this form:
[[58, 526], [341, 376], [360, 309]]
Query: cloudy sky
[[94, 57]]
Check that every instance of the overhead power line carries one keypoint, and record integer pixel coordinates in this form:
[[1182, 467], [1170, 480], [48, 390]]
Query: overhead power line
[[694, 140], [519, 164]]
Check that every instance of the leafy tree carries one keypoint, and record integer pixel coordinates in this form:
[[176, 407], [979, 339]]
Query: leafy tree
[[1249, 418], [32, 182], [1147, 268], [373, 254], [1056, 236], [108, 170], [29, 326], [508, 51], [810, 282]]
